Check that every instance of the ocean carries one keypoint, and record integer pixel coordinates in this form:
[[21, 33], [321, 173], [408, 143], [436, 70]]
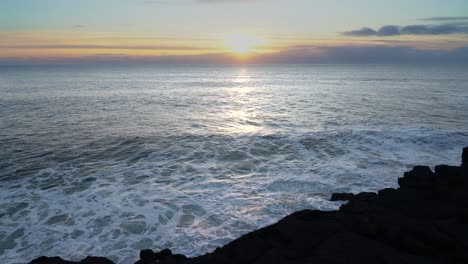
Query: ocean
[[110, 160]]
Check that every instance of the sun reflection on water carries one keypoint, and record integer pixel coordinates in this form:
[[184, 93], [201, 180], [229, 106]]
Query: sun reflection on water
[[242, 117]]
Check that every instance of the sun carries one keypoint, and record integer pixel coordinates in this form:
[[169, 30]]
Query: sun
[[242, 44]]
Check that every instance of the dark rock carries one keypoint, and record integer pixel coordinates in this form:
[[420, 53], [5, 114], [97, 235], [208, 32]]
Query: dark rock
[[465, 156], [351, 247], [386, 192], [58, 260], [96, 260], [147, 256], [448, 181], [420, 177], [365, 196], [464, 172], [164, 253], [51, 260], [342, 196], [445, 171]]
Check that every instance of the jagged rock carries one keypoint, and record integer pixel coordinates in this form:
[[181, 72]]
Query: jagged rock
[[465, 156], [447, 173], [96, 260], [365, 196], [58, 260], [386, 192], [147, 256], [51, 260], [342, 196], [420, 177]]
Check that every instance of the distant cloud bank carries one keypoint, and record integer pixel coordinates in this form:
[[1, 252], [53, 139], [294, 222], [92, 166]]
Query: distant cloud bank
[[391, 30], [293, 55], [368, 55]]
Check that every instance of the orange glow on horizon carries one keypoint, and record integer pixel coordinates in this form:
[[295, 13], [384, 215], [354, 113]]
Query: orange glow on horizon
[[236, 47]]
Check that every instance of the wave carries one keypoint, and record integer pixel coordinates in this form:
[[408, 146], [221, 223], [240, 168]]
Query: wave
[[114, 196]]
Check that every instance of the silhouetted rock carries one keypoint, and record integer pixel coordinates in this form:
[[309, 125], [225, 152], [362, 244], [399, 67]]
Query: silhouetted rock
[[420, 177], [52, 260], [147, 256], [342, 196], [96, 260], [423, 221], [365, 195], [57, 260], [465, 156]]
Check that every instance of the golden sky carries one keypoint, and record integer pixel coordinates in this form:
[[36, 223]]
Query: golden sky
[[242, 30]]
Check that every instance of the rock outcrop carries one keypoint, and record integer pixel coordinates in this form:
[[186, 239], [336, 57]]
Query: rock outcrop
[[425, 221]]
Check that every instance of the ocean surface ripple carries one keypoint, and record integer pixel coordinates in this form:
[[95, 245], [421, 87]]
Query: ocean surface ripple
[[107, 161]]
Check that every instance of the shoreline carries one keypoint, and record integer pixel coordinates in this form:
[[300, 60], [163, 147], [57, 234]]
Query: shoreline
[[425, 220]]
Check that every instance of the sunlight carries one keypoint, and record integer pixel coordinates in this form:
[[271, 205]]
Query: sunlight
[[242, 76], [242, 44]]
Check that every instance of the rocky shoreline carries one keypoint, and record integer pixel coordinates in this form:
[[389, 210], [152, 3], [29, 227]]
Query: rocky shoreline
[[425, 221]]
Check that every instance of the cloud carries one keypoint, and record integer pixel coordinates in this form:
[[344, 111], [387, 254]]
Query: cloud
[[365, 31], [361, 54], [390, 30], [434, 30]]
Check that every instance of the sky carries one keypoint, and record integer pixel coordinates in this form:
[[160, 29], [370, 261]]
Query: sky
[[233, 31]]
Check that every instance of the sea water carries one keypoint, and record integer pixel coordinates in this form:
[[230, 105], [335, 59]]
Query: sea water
[[110, 160]]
